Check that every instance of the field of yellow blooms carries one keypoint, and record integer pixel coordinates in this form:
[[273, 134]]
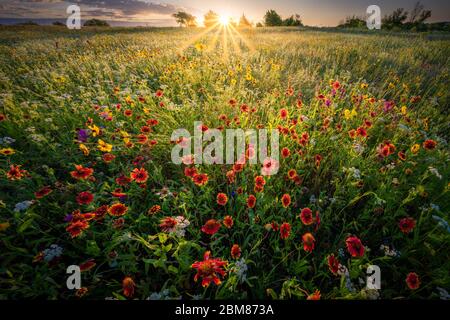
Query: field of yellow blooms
[[86, 177]]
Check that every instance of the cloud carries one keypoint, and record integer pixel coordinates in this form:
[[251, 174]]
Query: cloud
[[117, 9]]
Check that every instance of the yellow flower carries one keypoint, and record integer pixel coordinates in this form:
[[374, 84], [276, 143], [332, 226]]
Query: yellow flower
[[4, 226], [404, 110], [146, 110], [364, 85], [233, 82], [391, 85], [248, 77], [350, 114], [199, 46], [415, 148], [7, 151], [103, 146], [95, 130], [84, 149]]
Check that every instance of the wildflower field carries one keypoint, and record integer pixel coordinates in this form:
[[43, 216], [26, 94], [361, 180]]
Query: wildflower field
[[86, 177]]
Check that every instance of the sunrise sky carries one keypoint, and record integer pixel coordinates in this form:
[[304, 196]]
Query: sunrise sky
[[158, 13]]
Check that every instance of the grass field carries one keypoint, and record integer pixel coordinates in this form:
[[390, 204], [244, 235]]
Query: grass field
[[86, 176]]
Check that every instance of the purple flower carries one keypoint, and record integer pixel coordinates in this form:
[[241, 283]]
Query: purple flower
[[68, 218], [388, 105], [82, 135]]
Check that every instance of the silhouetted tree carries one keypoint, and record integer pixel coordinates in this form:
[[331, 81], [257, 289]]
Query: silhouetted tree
[[272, 18], [396, 19], [293, 21], [185, 19], [244, 23], [96, 23], [210, 19], [353, 22]]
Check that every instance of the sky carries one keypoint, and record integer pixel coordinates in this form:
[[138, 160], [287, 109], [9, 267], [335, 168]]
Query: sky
[[158, 13]]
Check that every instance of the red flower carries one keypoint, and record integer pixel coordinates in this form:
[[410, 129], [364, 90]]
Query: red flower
[[168, 224], [306, 216], [361, 131], [260, 181], [283, 114], [85, 198], [308, 242], [100, 213], [413, 281], [154, 209], [286, 200], [354, 246], [77, 227], [159, 93], [406, 225], [118, 193], [200, 179], [251, 201], [292, 174], [209, 269], [108, 157], [222, 199], [117, 210], [88, 265], [211, 227], [285, 152], [190, 171], [128, 286], [285, 230], [139, 175], [402, 155], [314, 296], [123, 180], [333, 264], [228, 222], [429, 144], [2, 117], [81, 172], [43, 192], [235, 251]]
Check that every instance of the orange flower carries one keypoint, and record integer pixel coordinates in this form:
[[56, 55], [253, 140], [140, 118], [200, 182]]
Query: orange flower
[[108, 157], [139, 175], [235, 251], [154, 209], [209, 269], [211, 227], [413, 281], [117, 210], [200, 179], [314, 296], [81, 173], [76, 228], [168, 224], [292, 174], [308, 242], [222, 199], [251, 201], [128, 286], [228, 222], [286, 200], [429, 144], [15, 173]]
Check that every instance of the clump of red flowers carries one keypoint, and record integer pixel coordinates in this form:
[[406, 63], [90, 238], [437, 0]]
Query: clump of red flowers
[[210, 269]]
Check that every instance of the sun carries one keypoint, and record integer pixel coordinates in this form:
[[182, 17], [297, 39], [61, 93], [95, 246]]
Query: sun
[[224, 19]]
